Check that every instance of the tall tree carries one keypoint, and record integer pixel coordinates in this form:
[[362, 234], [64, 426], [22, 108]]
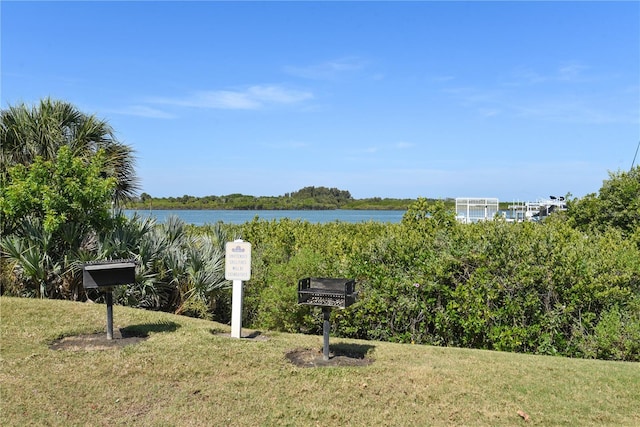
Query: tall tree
[[27, 133], [617, 205]]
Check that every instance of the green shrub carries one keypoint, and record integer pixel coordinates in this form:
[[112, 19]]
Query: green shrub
[[525, 287], [616, 336]]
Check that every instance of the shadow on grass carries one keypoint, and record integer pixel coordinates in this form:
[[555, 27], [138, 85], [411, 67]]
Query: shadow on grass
[[353, 351], [143, 330], [254, 335]]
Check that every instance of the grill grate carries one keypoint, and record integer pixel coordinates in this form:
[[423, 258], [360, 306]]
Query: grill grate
[[102, 274], [324, 292]]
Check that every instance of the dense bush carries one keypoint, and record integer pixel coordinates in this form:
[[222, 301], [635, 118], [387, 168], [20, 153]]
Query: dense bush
[[544, 288], [616, 205], [49, 210]]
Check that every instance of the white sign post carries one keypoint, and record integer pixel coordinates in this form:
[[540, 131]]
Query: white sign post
[[237, 268]]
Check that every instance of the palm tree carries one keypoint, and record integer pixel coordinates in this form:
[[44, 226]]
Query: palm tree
[[27, 132]]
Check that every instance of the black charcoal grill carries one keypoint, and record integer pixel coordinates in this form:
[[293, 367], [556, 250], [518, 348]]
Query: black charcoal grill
[[104, 275], [326, 293]]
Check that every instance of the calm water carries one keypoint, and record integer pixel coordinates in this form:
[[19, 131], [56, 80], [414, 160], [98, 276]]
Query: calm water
[[201, 217]]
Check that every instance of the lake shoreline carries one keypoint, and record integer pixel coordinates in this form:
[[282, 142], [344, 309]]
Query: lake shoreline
[[240, 216], [270, 209]]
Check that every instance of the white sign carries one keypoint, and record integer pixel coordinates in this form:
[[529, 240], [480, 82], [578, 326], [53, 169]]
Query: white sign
[[237, 268], [237, 265]]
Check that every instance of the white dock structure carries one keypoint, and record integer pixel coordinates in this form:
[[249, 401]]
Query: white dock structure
[[474, 209], [535, 211]]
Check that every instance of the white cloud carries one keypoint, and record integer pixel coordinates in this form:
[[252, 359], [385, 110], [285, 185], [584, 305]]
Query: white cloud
[[569, 72], [489, 112], [442, 79], [222, 99], [142, 111], [563, 95], [289, 145], [403, 145], [251, 98], [277, 95], [326, 70], [470, 96]]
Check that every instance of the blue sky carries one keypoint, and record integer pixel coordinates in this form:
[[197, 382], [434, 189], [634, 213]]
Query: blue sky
[[515, 100]]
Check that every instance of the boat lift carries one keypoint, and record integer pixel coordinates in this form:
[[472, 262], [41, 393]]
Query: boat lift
[[475, 209]]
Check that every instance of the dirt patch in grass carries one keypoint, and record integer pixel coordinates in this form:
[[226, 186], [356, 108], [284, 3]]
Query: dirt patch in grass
[[122, 337], [97, 342], [340, 356]]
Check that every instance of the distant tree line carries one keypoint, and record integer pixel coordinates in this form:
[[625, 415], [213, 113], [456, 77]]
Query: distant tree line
[[307, 198]]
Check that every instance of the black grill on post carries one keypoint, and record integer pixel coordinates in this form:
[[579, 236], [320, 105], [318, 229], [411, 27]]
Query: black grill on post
[[326, 293], [104, 275]]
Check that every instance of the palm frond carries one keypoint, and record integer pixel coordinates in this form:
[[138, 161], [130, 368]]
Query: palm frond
[[39, 131]]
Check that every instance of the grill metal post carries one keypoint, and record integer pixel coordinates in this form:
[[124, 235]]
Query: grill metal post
[[109, 314], [103, 276], [326, 326], [326, 293]]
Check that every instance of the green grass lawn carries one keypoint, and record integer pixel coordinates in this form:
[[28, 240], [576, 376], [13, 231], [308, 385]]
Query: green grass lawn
[[187, 374]]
